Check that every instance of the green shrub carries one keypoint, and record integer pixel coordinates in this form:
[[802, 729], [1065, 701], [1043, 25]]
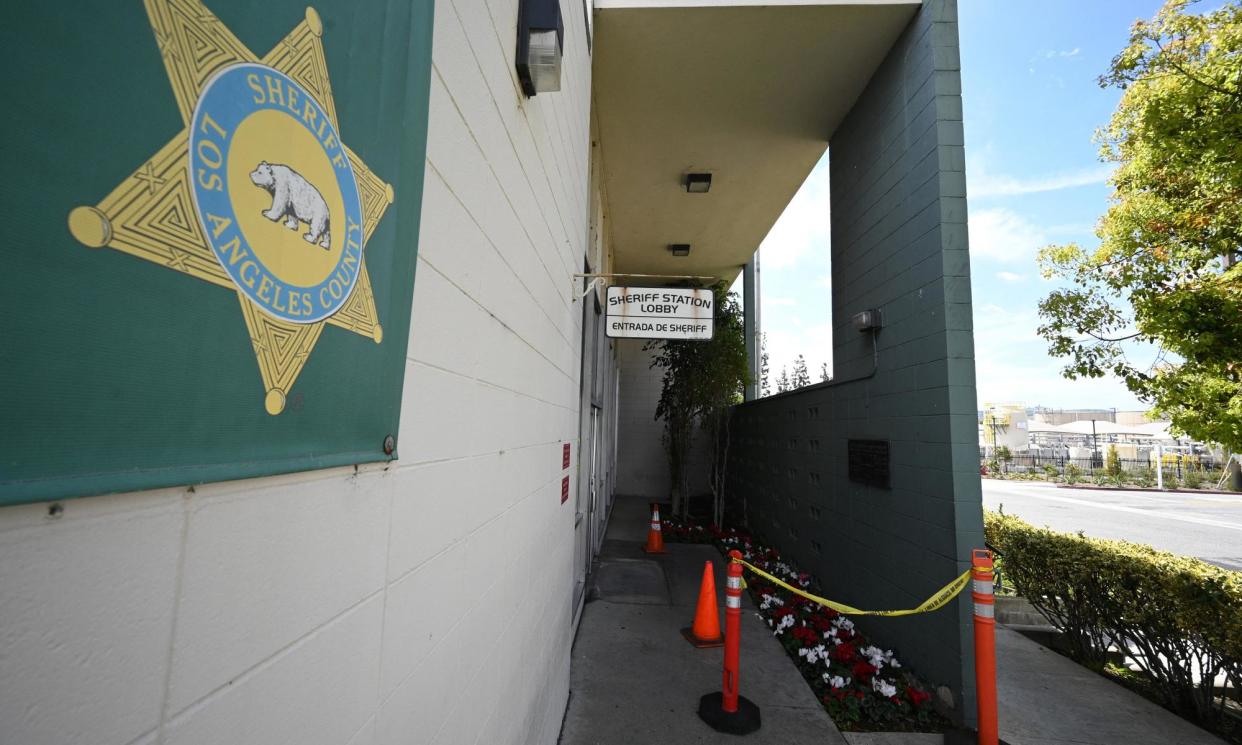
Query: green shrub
[[1073, 474], [1192, 478], [1051, 472], [1146, 478], [1181, 618]]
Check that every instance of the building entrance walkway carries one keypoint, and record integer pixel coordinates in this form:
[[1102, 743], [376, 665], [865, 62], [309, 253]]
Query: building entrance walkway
[[635, 679]]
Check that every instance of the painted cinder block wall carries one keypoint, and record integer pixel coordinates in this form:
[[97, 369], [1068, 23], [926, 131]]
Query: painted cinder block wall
[[642, 460], [426, 601], [899, 243]]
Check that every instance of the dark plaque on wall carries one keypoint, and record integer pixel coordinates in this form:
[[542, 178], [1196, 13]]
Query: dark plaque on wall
[[869, 462]]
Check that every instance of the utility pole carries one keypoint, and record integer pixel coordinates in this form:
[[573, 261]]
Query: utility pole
[[1095, 450]]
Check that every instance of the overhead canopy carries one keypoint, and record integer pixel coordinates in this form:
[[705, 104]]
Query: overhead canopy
[[749, 91]]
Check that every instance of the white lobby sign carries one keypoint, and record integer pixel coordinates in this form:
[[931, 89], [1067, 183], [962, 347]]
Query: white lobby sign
[[659, 313]]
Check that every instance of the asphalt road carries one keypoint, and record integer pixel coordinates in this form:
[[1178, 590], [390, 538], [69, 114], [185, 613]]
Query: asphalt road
[[1208, 526]]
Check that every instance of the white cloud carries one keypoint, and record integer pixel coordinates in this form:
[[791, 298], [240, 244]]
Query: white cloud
[[804, 226], [1004, 235], [1051, 53], [1010, 276], [787, 301], [982, 184]]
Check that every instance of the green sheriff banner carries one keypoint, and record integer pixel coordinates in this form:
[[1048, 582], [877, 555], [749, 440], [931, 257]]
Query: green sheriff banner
[[212, 224]]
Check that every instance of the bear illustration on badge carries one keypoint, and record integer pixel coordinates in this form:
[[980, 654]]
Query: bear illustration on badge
[[295, 201]]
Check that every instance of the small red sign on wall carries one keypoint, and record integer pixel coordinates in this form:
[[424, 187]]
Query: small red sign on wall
[[565, 456], [564, 489]]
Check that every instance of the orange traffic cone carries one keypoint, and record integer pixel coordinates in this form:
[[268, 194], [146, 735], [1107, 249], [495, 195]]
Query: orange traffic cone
[[706, 630], [655, 539]]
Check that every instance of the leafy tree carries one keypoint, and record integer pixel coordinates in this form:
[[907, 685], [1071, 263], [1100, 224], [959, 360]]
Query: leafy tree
[[702, 379], [1166, 270], [765, 386], [824, 377], [1004, 455], [782, 383], [801, 378]]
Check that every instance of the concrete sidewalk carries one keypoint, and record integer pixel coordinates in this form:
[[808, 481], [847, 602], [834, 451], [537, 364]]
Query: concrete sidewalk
[[1048, 699], [636, 680]]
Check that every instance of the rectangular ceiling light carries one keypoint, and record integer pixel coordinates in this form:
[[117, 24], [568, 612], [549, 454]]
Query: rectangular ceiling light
[[679, 249], [698, 183]]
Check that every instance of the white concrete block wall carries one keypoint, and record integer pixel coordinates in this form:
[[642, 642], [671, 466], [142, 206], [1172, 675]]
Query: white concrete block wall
[[427, 601], [642, 462]]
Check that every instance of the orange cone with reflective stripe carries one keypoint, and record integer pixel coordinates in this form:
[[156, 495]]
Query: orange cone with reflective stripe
[[655, 539], [705, 633]]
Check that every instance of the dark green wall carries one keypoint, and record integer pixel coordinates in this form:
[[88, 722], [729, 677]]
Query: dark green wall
[[899, 244]]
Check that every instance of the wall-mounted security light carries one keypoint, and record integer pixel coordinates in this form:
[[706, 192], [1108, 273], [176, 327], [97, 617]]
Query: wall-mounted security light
[[539, 46], [698, 183], [868, 320], [679, 249]]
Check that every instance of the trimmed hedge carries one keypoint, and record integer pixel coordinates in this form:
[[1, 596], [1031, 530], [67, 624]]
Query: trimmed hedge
[[1178, 618]]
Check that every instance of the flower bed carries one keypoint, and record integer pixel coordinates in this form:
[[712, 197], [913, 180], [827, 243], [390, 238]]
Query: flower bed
[[862, 686]]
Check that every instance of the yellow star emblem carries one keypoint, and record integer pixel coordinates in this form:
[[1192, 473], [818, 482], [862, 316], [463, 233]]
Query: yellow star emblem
[[153, 214]]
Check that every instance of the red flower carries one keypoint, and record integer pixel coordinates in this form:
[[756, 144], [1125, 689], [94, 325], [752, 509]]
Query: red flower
[[843, 653], [917, 697], [807, 636], [863, 671]]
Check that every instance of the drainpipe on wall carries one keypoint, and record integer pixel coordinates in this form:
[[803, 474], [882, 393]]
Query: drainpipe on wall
[[750, 316]]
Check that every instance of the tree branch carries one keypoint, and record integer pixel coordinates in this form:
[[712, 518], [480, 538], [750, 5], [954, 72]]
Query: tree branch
[[1189, 76], [1097, 337]]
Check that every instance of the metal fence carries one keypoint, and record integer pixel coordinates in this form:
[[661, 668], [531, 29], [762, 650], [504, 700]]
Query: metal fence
[[1179, 469]]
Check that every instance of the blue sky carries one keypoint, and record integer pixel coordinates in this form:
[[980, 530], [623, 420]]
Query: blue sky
[[1031, 106]]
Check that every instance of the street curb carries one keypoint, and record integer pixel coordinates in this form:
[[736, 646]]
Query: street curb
[[1093, 487]]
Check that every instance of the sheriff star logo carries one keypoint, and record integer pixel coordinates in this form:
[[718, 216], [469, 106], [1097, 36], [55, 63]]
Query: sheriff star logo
[[258, 194]]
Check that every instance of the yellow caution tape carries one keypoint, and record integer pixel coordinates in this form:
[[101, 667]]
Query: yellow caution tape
[[935, 602]]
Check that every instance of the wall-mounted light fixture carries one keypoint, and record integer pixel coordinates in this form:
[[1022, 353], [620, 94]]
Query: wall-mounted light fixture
[[539, 46], [679, 249], [698, 183], [868, 320]]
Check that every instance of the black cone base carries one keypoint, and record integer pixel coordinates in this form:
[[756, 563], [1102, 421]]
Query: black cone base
[[741, 722], [964, 737]]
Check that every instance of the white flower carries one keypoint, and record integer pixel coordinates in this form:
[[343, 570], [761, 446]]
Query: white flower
[[814, 654], [836, 681], [875, 656], [883, 687], [785, 623], [769, 601]]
